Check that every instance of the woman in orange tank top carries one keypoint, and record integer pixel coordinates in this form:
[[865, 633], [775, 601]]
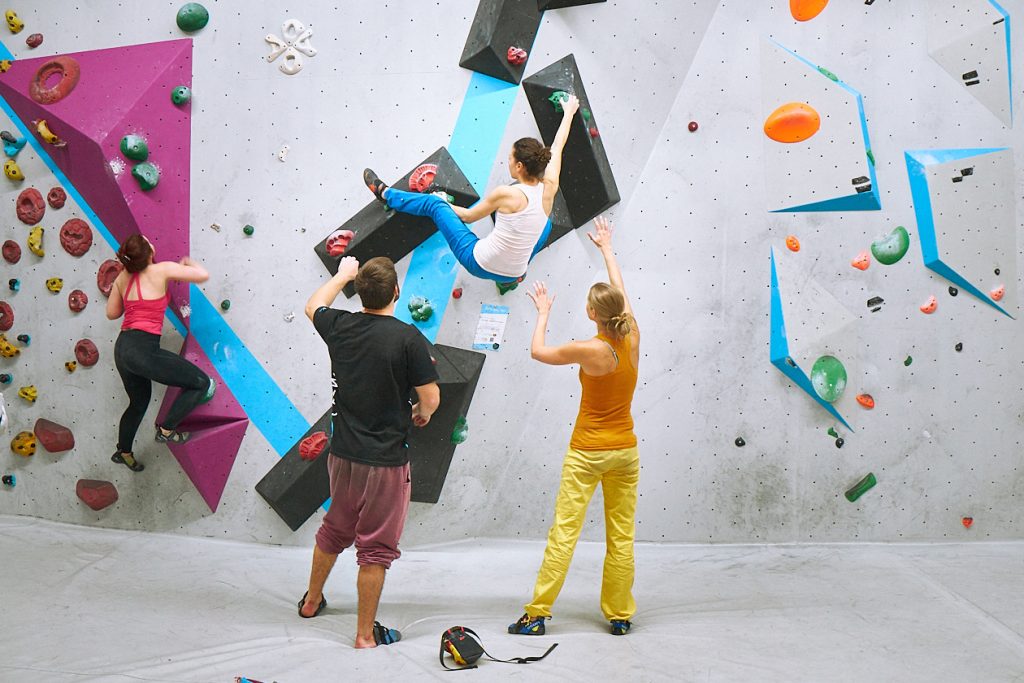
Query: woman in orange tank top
[[602, 449]]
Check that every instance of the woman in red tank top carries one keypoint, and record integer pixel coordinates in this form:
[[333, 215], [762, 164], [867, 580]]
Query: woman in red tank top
[[140, 294]]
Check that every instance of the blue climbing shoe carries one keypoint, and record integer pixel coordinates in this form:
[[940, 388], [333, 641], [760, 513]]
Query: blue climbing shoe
[[382, 635], [527, 626], [620, 627]]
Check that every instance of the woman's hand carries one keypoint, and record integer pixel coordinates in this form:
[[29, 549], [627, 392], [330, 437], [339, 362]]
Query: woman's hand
[[602, 235], [570, 106], [540, 297]]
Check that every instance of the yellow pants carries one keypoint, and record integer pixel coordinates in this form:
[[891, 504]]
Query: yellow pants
[[618, 472]]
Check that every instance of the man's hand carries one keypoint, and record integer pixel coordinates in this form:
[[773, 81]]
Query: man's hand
[[540, 297], [348, 267], [418, 418]]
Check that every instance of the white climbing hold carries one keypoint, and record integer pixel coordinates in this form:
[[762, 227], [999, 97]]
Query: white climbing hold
[[215, 227], [293, 43], [282, 153], [185, 310], [288, 317]]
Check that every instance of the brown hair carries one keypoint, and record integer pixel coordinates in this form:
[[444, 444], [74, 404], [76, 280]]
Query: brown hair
[[375, 283], [533, 155], [609, 304], [134, 253]]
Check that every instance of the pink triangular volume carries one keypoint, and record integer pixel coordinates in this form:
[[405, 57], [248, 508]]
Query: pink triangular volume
[[122, 90], [217, 429]]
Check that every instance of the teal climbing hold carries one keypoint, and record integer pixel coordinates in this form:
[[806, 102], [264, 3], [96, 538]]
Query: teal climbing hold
[[420, 309], [461, 431], [828, 74], [181, 95], [891, 248], [828, 376], [557, 98], [192, 16], [147, 175], [134, 147]]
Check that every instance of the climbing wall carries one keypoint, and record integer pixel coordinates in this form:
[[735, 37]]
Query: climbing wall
[[702, 216]]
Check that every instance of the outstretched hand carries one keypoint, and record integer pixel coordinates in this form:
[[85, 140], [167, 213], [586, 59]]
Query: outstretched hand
[[348, 267], [602, 235], [570, 105], [540, 297]]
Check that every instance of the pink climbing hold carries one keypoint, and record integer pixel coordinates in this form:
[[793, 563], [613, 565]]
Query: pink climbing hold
[[108, 272], [998, 293], [861, 261], [11, 251], [313, 445], [56, 197], [338, 241], [76, 236], [6, 316], [30, 206], [55, 438], [86, 353], [422, 177], [516, 56], [34, 40], [929, 306], [95, 493], [77, 300]]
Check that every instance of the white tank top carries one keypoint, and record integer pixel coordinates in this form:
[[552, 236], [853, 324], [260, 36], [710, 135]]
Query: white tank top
[[507, 250]]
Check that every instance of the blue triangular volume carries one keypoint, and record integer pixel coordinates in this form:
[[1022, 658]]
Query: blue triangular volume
[[862, 201], [1009, 53]]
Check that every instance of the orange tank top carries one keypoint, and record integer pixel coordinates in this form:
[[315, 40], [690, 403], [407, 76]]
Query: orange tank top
[[605, 422]]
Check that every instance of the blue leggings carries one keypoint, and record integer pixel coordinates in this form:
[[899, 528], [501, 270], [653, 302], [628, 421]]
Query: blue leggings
[[460, 238]]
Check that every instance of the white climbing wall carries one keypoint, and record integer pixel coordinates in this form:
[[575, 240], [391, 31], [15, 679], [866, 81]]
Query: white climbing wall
[[693, 235]]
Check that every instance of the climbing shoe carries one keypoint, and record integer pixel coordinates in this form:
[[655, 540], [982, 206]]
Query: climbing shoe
[[375, 184], [620, 627], [527, 626], [383, 635], [173, 437], [128, 461]]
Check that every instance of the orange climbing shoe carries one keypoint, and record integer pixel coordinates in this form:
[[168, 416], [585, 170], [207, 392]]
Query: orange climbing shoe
[[375, 184]]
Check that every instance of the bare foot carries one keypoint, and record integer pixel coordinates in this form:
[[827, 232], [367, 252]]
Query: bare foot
[[363, 643], [311, 605]]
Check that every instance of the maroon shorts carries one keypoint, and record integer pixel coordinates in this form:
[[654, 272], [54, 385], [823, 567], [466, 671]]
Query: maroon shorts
[[368, 508]]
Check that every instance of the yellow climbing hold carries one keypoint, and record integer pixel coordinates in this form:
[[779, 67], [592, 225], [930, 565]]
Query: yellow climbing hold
[[55, 284], [29, 393], [12, 170], [14, 22], [7, 349], [35, 241], [24, 444]]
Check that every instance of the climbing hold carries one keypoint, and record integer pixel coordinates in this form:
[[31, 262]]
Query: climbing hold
[[792, 243], [76, 236], [29, 393], [337, 242], [460, 432], [66, 72], [516, 56], [875, 303], [14, 284], [907, 361], [7, 349], [5, 65], [828, 376], [35, 241], [445, 196], [866, 400], [594, 132], [86, 353], [805, 10], [288, 317], [282, 153], [225, 305], [792, 122], [313, 445], [24, 444], [6, 316], [457, 293], [147, 174], [692, 126], [421, 178], [420, 309], [46, 134], [56, 197], [293, 43], [959, 347], [95, 493], [833, 433], [55, 438], [71, 365], [557, 98], [12, 145], [30, 206], [11, 251], [211, 391], [55, 284], [740, 442], [953, 291], [6, 378], [34, 40], [24, 339], [12, 170], [9, 480], [828, 74], [134, 147], [181, 95], [861, 487], [248, 230], [14, 22], [998, 293], [997, 272], [840, 442], [930, 305], [891, 248], [861, 261], [192, 16], [107, 273], [506, 287], [215, 227], [966, 521]]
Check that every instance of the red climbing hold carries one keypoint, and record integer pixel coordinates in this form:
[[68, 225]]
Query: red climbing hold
[[11, 251], [66, 71], [422, 177], [516, 56], [54, 437], [6, 316], [313, 445], [337, 242], [792, 243], [34, 40], [108, 272], [693, 126], [457, 293], [929, 306], [998, 293], [86, 353], [866, 400], [76, 237], [594, 132], [77, 300], [861, 261], [30, 206], [95, 493], [56, 197], [967, 522]]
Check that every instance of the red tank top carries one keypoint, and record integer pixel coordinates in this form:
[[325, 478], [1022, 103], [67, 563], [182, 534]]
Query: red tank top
[[143, 314]]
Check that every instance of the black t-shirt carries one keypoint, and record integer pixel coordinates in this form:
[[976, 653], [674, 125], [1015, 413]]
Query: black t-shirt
[[376, 360]]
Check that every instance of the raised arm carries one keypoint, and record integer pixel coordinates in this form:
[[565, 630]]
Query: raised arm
[[185, 270], [602, 239], [554, 169], [329, 291], [564, 354]]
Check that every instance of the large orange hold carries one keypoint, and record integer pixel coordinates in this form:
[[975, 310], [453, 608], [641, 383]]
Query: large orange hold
[[805, 10], [793, 122]]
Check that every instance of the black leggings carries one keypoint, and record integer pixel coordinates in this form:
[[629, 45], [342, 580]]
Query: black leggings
[[140, 362]]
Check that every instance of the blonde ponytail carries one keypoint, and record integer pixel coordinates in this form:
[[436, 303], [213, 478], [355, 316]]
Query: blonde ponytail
[[609, 306]]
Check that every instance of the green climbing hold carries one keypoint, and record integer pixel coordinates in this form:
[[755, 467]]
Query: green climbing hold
[[208, 396], [828, 74], [192, 16], [586, 114], [181, 95], [833, 433], [557, 98], [891, 248], [506, 287], [829, 378], [134, 147], [861, 487], [225, 305], [871, 157], [908, 361], [147, 175], [249, 230], [420, 309], [461, 431]]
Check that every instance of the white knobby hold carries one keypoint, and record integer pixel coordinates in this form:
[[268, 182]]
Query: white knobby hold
[[295, 40], [185, 310], [288, 317], [282, 153]]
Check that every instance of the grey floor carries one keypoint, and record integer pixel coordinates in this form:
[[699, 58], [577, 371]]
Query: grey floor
[[83, 604]]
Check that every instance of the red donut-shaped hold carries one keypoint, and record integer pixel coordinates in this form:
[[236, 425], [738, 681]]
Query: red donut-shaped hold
[[30, 206], [338, 241], [421, 178], [86, 353], [66, 68], [56, 197], [313, 445], [77, 301], [76, 237], [12, 251], [6, 316], [108, 272]]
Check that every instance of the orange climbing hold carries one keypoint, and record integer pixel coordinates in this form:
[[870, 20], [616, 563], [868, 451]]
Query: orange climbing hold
[[861, 261], [998, 293], [793, 122], [866, 400], [805, 10], [792, 243], [930, 305], [967, 522]]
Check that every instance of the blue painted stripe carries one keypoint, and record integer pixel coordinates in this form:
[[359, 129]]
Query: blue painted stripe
[[5, 53], [474, 146], [1009, 53]]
